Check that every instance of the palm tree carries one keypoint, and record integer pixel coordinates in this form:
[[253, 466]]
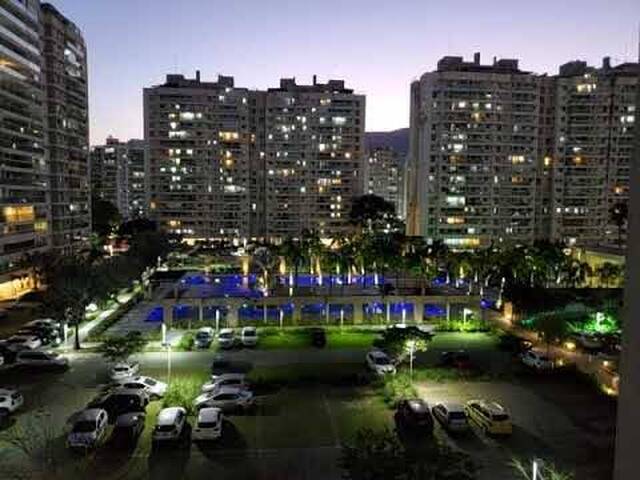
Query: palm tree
[[292, 251]]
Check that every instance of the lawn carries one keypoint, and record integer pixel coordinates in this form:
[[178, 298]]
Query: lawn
[[299, 338]]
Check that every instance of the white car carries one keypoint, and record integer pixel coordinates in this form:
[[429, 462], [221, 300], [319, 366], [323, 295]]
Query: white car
[[123, 370], [451, 416], [154, 388], [227, 399], [23, 342], [208, 425], [29, 358], [170, 425], [380, 363], [236, 380], [249, 336], [226, 338], [89, 429], [10, 400], [536, 360], [204, 337], [43, 322]]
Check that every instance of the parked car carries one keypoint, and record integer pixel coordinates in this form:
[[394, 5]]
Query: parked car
[[226, 338], [451, 416], [44, 322], [46, 335], [227, 399], [490, 417], [380, 363], [8, 354], [457, 359], [124, 370], [587, 341], [127, 430], [23, 342], [10, 400], [42, 360], [318, 337], [171, 425], [249, 336], [236, 380], [511, 343], [89, 429], [413, 415], [121, 401], [219, 366], [536, 360], [208, 425], [154, 388], [204, 337]]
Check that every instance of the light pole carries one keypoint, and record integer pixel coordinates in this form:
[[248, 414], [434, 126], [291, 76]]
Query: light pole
[[535, 470], [411, 345]]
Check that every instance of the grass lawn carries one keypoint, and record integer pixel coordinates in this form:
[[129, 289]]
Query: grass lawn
[[298, 338]]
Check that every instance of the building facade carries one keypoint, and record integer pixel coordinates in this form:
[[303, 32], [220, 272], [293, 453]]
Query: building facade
[[594, 128], [228, 163], [65, 77], [383, 174], [473, 153], [24, 181], [118, 175], [500, 155]]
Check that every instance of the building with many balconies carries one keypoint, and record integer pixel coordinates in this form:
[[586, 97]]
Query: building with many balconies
[[383, 175]]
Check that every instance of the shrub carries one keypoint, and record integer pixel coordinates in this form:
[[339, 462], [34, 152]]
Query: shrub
[[396, 388], [186, 342], [182, 392]]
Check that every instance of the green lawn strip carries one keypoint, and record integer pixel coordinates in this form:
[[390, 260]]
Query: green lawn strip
[[353, 409], [461, 341], [299, 338]]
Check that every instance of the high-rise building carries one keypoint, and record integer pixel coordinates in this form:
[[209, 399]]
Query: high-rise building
[[473, 153], [118, 176], [228, 163], [313, 150], [595, 115], [65, 75], [24, 194], [383, 172], [198, 140]]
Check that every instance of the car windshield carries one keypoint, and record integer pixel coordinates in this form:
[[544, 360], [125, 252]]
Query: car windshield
[[207, 424], [151, 382], [84, 426], [120, 369], [500, 417], [457, 416], [382, 361], [226, 335], [249, 333]]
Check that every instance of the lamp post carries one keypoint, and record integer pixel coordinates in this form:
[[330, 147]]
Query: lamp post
[[411, 346]]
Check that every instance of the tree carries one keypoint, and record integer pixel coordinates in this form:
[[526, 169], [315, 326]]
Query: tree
[[550, 327], [137, 225], [373, 213], [619, 215], [116, 349], [292, 251], [373, 455], [105, 216], [400, 342]]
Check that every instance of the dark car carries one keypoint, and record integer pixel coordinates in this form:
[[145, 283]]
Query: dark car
[[458, 359], [516, 345], [413, 415], [127, 430], [8, 354], [121, 401], [318, 337], [48, 336]]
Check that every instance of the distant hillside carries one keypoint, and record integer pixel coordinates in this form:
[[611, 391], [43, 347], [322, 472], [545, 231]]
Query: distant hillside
[[396, 139]]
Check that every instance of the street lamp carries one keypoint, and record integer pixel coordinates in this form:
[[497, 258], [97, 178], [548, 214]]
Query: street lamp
[[411, 347]]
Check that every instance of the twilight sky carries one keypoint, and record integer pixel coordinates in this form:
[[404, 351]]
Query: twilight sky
[[377, 46]]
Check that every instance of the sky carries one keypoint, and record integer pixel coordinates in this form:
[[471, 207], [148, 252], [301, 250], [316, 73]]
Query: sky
[[377, 47]]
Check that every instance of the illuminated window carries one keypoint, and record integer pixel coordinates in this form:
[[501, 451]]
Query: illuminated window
[[455, 220], [229, 136], [187, 116], [19, 214], [339, 120]]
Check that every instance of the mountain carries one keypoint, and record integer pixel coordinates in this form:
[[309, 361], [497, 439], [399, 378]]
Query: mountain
[[396, 139]]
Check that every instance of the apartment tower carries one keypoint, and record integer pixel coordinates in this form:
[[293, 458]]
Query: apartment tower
[[473, 153], [383, 172]]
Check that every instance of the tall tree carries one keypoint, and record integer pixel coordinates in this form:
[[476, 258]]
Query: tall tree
[[105, 216], [373, 213]]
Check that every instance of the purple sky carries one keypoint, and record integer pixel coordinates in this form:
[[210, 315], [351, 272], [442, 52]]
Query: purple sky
[[378, 47]]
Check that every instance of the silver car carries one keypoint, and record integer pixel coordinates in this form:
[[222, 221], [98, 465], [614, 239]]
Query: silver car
[[227, 399]]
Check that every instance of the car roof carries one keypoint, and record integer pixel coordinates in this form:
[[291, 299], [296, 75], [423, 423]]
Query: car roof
[[492, 407], [127, 391], [226, 330], [249, 329], [378, 353], [209, 414], [230, 375], [8, 391], [228, 390], [88, 414], [418, 405], [168, 415], [128, 419]]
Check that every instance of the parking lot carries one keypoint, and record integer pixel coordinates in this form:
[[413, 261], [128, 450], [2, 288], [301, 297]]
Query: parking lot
[[295, 430]]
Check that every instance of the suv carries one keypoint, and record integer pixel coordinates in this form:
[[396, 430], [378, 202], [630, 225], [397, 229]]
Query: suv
[[127, 430], [414, 415], [226, 338], [491, 417], [10, 400], [204, 337], [89, 429], [121, 401], [30, 358], [170, 425], [249, 337], [451, 416]]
